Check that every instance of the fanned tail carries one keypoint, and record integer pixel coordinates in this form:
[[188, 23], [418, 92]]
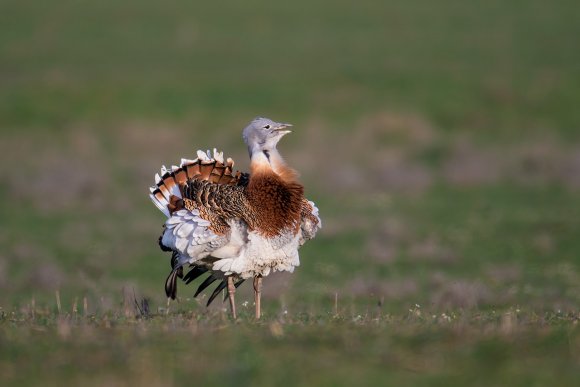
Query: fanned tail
[[167, 193]]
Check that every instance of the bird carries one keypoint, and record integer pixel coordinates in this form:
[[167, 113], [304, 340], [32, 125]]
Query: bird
[[235, 226]]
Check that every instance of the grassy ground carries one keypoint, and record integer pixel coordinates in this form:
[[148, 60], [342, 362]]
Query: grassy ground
[[511, 348], [440, 141]]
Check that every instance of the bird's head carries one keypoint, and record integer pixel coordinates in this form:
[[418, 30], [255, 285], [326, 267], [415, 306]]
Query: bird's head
[[263, 134]]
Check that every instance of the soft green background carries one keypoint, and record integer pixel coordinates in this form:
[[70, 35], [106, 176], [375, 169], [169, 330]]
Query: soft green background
[[441, 141]]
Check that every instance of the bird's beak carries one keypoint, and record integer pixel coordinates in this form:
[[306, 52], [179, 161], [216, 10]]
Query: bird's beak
[[281, 128]]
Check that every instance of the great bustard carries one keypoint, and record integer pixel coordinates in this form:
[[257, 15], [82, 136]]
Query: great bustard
[[235, 225]]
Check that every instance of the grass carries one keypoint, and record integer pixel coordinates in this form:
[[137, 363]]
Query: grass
[[487, 66], [509, 347], [440, 142]]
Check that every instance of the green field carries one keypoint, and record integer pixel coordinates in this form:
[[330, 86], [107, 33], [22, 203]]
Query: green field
[[441, 142]]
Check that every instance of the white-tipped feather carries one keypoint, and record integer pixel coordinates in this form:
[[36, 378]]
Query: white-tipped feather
[[181, 244], [176, 219], [203, 222], [187, 162], [190, 215], [202, 156], [157, 178], [166, 193], [185, 229], [314, 209], [162, 207], [219, 156]]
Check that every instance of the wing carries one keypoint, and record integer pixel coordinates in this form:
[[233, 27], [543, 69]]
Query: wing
[[167, 193], [310, 221], [194, 197], [205, 187], [190, 235]]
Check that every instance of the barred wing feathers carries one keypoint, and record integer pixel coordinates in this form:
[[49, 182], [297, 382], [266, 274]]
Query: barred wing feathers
[[167, 194]]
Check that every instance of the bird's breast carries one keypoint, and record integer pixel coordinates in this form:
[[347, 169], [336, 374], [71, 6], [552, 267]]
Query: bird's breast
[[276, 204]]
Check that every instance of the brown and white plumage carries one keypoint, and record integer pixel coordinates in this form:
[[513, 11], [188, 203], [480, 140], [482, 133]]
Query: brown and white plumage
[[234, 225]]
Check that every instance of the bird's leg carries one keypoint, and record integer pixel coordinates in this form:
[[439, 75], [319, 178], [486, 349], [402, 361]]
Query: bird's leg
[[231, 294], [257, 294]]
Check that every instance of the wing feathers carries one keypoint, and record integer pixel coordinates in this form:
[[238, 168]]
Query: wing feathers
[[160, 204], [194, 273], [208, 281], [193, 171], [171, 182], [171, 283], [206, 168], [217, 291]]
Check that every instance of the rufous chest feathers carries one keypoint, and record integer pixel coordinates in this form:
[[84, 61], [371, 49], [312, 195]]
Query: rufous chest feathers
[[276, 203]]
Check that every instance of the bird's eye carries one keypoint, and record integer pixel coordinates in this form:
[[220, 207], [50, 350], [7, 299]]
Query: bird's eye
[[267, 127]]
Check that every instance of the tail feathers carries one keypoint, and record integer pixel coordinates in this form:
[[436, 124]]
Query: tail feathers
[[223, 285], [169, 183], [194, 273], [208, 281], [171, 282], [160, 202], [217, 291]]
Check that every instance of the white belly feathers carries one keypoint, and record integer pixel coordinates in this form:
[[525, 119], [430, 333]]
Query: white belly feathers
[[244, 253], [261, 255]]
